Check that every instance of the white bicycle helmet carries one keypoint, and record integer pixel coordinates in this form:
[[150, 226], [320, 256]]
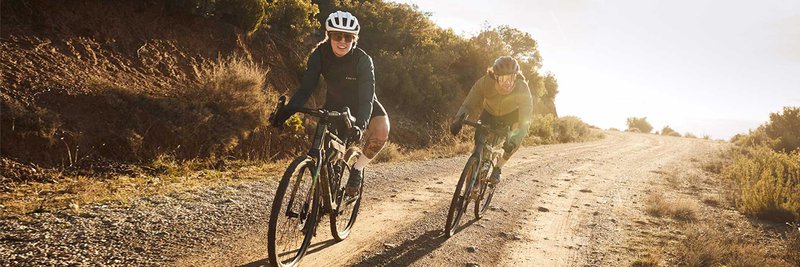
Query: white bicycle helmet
[[342, 22]]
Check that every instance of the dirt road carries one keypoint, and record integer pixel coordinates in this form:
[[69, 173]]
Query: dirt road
[[577, 204], [558, 205]]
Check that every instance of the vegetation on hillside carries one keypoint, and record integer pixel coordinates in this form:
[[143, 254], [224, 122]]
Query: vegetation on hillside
[[195, 79]]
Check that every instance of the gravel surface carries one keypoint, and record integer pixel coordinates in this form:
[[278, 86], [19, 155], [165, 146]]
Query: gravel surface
[[556, 205]]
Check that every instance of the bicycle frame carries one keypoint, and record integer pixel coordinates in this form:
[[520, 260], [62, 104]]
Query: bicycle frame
[[483, 133], [321, 158]]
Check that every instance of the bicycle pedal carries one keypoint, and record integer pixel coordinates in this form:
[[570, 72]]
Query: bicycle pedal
[[292, 214]]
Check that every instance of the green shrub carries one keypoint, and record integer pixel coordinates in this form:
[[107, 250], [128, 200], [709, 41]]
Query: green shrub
[[781, 133], [244, 14], [571, 129], [542, 127], [293, 19], [768, 183], [785, 129]]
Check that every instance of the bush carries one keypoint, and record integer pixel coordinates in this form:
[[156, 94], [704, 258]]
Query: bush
[[768, 183], [571, 129], [640, 124], [542, 128], [781, 133], [755, 138], [669, 132], [784, 128], [201, 8], [293, 19], [245, 14]]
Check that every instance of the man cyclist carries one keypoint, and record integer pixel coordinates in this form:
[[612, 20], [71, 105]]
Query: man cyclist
[[503, 97], [350, 79]]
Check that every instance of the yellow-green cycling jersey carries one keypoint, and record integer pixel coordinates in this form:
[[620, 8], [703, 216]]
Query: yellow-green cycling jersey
[[484, 96]]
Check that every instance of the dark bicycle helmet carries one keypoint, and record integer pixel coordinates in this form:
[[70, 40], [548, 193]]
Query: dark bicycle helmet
[[505, 65]]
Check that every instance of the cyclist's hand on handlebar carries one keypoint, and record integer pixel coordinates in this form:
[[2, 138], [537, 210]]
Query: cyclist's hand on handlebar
[[280, 118], [455, 127]]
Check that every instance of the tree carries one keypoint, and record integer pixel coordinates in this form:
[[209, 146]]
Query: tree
[[640, 124]]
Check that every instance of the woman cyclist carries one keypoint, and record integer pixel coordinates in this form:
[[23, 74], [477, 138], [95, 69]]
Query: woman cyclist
[[503, 98], [350, 79]]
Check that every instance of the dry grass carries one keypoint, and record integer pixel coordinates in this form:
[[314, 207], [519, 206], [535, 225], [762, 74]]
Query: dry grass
[[713, 201], [441, 151], [390, 152], [705, 245], [656, 205], [646, 261], [684, 210], [73, 192], [793, 246], [681, 210]]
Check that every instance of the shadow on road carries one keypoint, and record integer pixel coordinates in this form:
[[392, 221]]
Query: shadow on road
[[311, 250], [402, 255], [411, 250]]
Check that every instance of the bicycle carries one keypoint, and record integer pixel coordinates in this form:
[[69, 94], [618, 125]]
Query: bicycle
[[474, 183], [315, 187]]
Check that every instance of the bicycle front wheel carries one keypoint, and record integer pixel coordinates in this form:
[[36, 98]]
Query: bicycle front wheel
[[294, 214], [485, 192], [344, 216], [461, 196]]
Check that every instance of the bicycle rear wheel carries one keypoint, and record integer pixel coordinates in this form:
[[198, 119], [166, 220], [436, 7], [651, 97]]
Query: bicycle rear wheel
[[461, 196], [344, 217], [485, 192], [294, 213]]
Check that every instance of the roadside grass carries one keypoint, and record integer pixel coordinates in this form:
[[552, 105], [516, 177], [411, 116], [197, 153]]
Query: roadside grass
[[647, 261], [390, 152], [72, 192], [710, 235], [706, 244], [680, 210], [166, 173], [767, 183], [713, 201], [793, 251]]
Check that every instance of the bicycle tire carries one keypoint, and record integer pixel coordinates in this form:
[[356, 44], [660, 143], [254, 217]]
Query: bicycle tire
[[486, 192], [305, 207], [342, 221], [461, 196]]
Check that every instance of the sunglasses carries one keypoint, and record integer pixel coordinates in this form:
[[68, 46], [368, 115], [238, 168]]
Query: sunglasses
[[338, 36], [506, 78]]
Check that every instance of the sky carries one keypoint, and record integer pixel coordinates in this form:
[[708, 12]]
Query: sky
[[707, 67]]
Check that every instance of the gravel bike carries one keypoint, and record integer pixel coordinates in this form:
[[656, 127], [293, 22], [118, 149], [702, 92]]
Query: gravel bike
[[312, 186], [474, 183]]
